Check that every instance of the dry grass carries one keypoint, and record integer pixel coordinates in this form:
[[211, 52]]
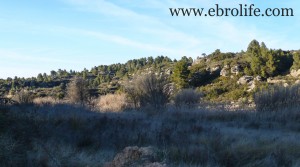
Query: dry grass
[[66, 135], [40, 101], [23, 97], [187, 98], [112, 103], [277, 98]]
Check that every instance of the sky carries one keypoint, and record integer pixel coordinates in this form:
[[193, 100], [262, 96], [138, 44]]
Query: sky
[[39, 36]]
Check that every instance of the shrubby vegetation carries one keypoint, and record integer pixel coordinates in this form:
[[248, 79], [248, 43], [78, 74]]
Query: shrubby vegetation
[[201, 73], [277, 98], [181, 108], [187, 98], [77, 91], [23, 97], [112, 103], [65, 135], [149, 90]]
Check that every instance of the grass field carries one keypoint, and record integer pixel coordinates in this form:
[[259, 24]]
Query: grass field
[[64, 135]]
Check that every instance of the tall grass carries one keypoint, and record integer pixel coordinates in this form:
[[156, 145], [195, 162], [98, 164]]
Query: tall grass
[[112, 103], [45, 101], [277, 98], [64, 135], [187, 98]]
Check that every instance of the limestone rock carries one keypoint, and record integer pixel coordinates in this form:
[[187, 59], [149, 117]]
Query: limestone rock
[[215, 69], [258, 78], [276, 81], [295, 73], [245, 80], [225, 71], [251, 86], [236, 69]]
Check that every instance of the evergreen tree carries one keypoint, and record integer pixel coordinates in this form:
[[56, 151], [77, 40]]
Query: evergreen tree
[[272, 63], [296, 62], [40, 78], [256, 60], [181, 73]]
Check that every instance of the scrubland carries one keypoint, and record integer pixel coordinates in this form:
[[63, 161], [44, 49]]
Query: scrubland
[[182, 129], [69, 135]]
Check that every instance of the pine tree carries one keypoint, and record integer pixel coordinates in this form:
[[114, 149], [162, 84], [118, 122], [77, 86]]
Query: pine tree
[[181, 73], [257, 61], [40, 78], [296, 62]]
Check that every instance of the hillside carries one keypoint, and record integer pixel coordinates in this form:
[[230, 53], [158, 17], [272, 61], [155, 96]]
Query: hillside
[[158, 112], [222, 77]]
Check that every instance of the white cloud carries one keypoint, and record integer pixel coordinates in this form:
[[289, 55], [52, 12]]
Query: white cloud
[[187, 34]]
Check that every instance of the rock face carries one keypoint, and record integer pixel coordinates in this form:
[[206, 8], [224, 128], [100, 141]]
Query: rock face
[[258, 78], [249, 80], [251, 86], [276, 81], [236, 69], [215, 69], [295, 73], [136, 157], [225, 71], [245, 80]]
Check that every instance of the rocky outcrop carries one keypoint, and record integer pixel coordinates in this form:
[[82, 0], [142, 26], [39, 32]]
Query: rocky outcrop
[[249, 80], [245, 80], [214, 70], [225, 71], [295, 73], [258, 78], [276, 81], [136, 157], [251, 86], [236, 69]]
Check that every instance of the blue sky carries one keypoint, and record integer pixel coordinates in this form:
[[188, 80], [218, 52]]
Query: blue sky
[[38, 36]]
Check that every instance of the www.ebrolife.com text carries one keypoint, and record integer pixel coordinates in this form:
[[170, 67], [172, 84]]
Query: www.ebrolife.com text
[[242, 10]]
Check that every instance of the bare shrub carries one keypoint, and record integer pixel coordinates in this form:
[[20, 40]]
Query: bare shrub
[[187, 97], [112, 102], [77, 91], [277, 97], [133, 94], [23, 97], [45, 101], [149, 90]]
